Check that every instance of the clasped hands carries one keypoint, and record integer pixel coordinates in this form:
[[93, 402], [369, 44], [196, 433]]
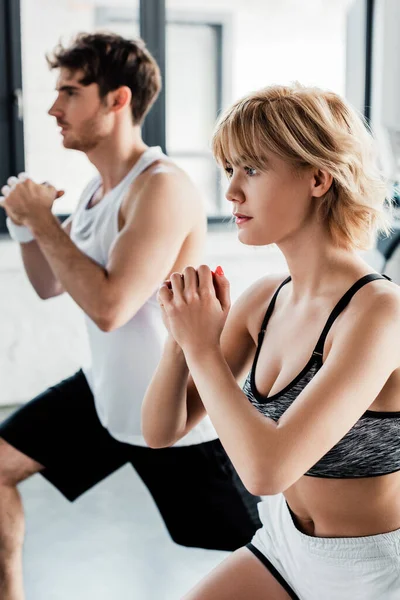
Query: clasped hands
[[195, 306], [24, 200]]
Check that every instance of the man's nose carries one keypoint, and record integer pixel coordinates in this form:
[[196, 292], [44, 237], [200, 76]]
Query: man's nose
[[55, 110]]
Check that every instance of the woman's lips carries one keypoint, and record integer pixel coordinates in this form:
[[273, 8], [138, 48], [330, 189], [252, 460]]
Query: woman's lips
[[241, 219]]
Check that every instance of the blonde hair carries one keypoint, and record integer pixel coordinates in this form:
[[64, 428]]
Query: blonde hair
[[309, 127]]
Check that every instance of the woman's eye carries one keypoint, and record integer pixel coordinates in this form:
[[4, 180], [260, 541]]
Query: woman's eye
[[229, 172], [250, 171]]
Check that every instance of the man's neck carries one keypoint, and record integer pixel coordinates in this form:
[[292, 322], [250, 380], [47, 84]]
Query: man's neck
[[115, 157]]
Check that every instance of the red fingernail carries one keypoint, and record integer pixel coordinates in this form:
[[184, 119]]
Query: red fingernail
[[219, 271]]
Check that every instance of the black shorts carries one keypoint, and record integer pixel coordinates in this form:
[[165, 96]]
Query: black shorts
[[198, 493]]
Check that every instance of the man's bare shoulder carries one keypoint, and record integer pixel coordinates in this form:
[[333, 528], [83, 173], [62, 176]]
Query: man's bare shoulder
[[164, 180], [165, 173]]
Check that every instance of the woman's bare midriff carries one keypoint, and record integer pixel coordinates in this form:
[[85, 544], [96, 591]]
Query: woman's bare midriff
[[345, 507]]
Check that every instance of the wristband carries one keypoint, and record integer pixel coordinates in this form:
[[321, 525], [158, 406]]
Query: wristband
[[19, 233]]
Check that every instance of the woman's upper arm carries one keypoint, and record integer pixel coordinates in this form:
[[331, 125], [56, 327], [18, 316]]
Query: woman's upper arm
[[364, 353]]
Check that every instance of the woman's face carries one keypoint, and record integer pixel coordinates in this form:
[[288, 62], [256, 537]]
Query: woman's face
[[270, 205]]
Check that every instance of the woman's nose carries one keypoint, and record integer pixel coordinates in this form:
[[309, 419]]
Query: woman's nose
[[233, 193]]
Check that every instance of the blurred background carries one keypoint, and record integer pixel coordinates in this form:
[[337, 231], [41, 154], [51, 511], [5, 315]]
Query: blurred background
[[211, 52]]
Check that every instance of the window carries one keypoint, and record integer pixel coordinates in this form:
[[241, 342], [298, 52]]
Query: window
[[46, 159], [193, 92]]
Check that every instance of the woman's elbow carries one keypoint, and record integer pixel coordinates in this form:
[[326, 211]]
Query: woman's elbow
[[265, 482], [156, 440]]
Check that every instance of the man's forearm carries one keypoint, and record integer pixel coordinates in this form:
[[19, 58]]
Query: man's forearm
[[80, 276], [39, 272]]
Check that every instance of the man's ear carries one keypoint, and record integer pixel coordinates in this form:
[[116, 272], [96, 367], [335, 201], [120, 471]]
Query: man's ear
[[120, 98], [321, 183]]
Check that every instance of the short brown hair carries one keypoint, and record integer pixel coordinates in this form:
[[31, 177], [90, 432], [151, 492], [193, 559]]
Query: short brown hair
[[310, 127], [112, 61]]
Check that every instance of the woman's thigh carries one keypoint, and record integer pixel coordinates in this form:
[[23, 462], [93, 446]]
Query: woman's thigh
[[240, 577]]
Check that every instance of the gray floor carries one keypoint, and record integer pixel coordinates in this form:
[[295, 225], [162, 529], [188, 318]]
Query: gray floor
[[109, 545]]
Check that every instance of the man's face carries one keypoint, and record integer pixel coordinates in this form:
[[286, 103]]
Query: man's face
[[83, 117]]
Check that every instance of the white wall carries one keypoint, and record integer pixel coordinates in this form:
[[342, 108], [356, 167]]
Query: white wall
[[281, 41], [272, 42]]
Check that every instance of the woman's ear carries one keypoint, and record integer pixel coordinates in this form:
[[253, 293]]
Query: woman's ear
[[321, 183]]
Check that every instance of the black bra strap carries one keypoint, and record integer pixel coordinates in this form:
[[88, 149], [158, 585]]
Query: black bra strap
[[341, 305], [271, 308]]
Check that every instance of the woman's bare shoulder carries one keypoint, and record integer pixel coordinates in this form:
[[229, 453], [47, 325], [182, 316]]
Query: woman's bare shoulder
[[380, 296], [254, 301]]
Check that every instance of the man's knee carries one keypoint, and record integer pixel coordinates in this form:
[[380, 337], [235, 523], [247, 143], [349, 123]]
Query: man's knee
[[14, 465]]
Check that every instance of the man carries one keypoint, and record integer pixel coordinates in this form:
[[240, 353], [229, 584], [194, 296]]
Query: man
[[137, 222]]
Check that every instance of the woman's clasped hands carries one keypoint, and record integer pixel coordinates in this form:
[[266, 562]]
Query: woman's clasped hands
[[195, 306]]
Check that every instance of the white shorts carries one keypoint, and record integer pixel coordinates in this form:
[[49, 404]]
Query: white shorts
[[312, 568]]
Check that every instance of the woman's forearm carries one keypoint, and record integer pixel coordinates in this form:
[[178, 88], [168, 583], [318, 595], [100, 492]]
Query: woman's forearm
[[250, 439], [164, 409]]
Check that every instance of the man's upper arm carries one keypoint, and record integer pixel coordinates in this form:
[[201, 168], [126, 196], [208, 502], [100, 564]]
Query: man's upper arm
[[157, 222]]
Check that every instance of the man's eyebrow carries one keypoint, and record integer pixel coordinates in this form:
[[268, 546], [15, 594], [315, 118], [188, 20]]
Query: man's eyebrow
[[67, 88]]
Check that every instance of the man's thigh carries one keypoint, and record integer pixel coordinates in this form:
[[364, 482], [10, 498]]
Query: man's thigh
[[60, 430], [15, 466], [199, 495]]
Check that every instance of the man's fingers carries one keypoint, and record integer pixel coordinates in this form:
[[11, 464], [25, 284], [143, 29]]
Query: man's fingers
[[58, 193], [5, 190], [2, 203], [12, 181]]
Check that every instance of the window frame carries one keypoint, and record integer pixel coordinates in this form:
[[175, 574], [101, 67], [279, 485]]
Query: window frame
[[12, 150], [222, 25]]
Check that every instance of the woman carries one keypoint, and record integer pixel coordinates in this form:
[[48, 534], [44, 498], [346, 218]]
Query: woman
[[316, 428]]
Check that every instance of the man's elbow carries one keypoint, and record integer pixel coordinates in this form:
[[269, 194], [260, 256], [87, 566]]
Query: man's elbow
[[46, 294], [106, 324], [111, 319]]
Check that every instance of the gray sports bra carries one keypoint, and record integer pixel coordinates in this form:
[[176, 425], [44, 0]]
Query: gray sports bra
[[371, 447]]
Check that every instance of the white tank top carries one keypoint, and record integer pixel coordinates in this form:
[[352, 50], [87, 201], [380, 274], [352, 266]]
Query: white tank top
[[123, 360]]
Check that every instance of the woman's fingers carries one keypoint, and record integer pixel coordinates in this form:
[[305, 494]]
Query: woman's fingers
[[222, 288], [177, 284], [190, 282], [164, 294], [205, 276]]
